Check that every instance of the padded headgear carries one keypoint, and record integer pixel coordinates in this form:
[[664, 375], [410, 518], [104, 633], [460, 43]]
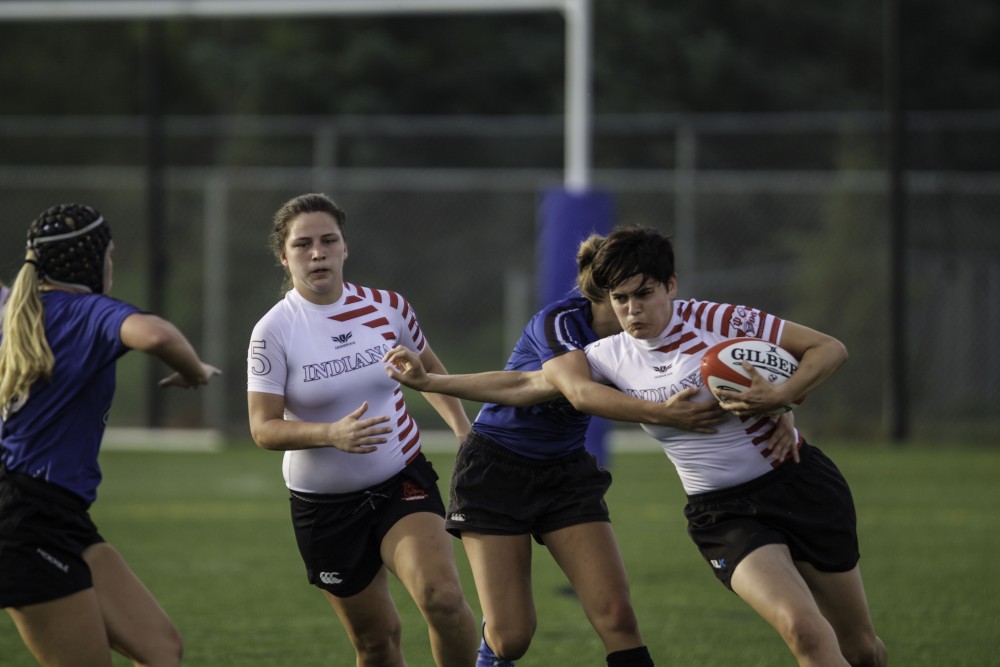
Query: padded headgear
[[71, 242]]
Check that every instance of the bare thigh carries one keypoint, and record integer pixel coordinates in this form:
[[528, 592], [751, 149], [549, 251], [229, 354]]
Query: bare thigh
[[769, 581], [501, 567], [422, 555], [841, 597], [68, 632], [137, 626]]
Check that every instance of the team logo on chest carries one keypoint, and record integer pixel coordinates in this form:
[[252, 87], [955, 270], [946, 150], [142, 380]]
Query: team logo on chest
[[343, 340]]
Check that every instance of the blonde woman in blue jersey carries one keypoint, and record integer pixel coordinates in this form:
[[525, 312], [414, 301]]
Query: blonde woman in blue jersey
[[70, 593], [364, 499]]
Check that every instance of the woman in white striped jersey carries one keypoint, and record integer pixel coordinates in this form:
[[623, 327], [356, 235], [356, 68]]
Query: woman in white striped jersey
[[364, 500], [780, 532]]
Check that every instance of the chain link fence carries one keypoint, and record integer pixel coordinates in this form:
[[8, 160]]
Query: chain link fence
[[787, 212]]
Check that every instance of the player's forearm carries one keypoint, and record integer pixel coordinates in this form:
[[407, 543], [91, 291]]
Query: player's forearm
[[284, 435], [160, 338], [603, 401], [517, 388], [180, 355], [816, 366]]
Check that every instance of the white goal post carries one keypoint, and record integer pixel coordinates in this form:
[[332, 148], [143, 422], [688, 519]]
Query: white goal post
[[577, 14]]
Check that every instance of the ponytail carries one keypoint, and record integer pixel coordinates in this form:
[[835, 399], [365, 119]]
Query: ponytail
[[584, 268], [25, 355]]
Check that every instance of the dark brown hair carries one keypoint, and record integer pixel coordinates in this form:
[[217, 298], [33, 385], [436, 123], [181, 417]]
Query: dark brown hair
[[633, 251], [293, 208]]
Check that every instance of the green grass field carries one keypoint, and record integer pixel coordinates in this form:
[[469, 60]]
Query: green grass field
[[210, 535]]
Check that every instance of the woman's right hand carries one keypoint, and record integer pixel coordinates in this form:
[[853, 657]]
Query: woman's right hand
[[358, 435]]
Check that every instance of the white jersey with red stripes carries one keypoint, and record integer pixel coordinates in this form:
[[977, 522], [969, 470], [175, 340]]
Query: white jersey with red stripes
[[326, 360], [656, 369]]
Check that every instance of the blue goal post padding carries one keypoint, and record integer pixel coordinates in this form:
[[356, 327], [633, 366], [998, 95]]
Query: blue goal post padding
[[566, 219]]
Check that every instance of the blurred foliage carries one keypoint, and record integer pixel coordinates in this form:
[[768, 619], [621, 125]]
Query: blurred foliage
[[649, 56]]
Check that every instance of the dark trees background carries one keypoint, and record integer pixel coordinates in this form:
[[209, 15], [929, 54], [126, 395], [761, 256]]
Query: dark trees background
[[649, 57]]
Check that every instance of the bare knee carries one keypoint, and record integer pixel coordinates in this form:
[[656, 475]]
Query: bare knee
[[444, 604], [510, 647], [375, 648], [868, 653], [617, 617], [172, 647], [808, 635], [166, 649], [510, 640]]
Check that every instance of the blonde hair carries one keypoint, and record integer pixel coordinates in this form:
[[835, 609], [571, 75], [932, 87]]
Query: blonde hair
[[25, 355], [584, 268]]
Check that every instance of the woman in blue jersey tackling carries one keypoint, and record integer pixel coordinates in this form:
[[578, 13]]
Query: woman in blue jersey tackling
[[70, 593], [524, 472], [774, 520]]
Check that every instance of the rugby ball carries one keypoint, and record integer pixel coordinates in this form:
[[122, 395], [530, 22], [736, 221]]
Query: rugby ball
[[721, 367]]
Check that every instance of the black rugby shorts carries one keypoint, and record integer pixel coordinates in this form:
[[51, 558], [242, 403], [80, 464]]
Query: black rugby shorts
[[340, 535], [44, 530], [806, 506], [495, 491]]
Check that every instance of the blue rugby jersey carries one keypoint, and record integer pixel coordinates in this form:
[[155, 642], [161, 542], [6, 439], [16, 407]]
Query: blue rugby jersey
[[552, 429], [56, 434]]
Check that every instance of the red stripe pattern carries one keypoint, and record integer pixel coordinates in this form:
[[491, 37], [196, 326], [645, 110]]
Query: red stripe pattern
[[369, 315]]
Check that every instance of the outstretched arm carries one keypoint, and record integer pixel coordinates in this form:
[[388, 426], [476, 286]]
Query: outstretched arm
[[571, 370], [156, 336], [517, 388]]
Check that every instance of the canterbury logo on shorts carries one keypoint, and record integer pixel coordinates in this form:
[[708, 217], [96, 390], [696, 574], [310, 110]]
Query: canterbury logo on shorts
[[330, 577]]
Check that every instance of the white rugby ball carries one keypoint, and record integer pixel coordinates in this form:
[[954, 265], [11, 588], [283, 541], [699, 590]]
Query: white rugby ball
[[721, 367]]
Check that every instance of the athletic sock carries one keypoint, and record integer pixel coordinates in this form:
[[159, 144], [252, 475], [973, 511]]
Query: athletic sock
[[633, 657]]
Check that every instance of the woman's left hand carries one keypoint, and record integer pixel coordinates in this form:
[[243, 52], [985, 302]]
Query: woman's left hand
[[404, 366], [784, 441]]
